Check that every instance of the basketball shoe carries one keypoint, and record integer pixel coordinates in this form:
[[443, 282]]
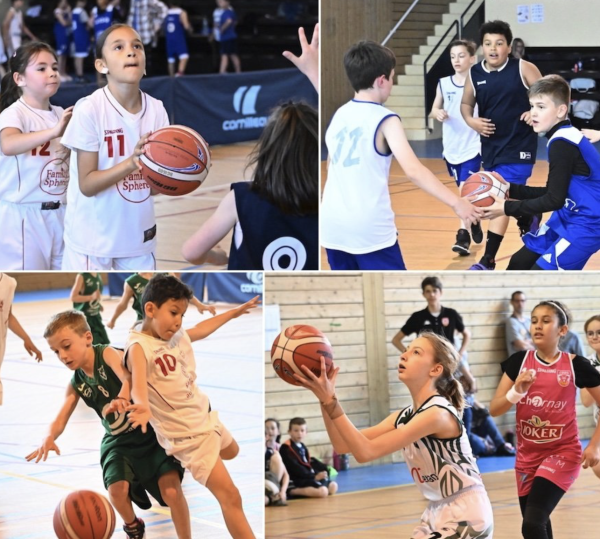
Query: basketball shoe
[[477, 233], [136, 530], [485, 264], [463, 240]]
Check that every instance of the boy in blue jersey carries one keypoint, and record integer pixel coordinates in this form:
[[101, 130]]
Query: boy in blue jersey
[[572, 234], [81, 37], [498, 86], [358, 226], [177, 24]]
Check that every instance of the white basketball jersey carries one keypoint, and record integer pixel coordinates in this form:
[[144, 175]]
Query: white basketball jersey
[[440, 468], [41, 174], [119, 221], [179, 408], [461, 143], [356, 212]]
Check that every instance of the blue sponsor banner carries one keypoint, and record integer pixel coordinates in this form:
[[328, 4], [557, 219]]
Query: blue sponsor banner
[[235, 108], [223, 108], [234, 287]]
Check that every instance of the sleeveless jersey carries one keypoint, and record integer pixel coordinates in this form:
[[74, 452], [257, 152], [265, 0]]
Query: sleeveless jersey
[[217, 13], [579, 219], [138, 285], [266, 239], [356, 211], [461, 143], [61, 32], [179, 409], [119, 221], [546, 419], [440, 468], [91, 283], [41, 174], [501, 96], [103, 18], [81, 37], [175, 32], [97, 392]]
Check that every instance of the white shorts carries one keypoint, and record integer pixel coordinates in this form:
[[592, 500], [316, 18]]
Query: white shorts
[[75, 261], [199, 454], [31, 238], [467, 514]]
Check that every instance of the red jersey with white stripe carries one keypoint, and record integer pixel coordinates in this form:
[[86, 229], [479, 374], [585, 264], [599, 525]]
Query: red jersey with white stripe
[[546, 418]]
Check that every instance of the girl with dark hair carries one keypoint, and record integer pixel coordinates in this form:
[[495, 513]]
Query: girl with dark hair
[[430, 434], [543, 384], [35, 167], [110, 220], [275, 216], [591, 329]]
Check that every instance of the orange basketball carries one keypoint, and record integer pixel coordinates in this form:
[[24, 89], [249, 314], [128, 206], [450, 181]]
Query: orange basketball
[[300, 345], [483, 184], [176, 160], [84, 514]]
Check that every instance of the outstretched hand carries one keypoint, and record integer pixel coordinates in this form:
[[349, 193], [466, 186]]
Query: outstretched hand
[[308, 61], [41, 453], [496, 209], [322, 386], [247, 307]]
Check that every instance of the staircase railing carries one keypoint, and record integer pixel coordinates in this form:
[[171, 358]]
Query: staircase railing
[[393, 30]]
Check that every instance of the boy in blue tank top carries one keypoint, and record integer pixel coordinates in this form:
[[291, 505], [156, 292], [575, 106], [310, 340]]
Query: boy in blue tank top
[[572, 234], [498, 86], [358, 226]]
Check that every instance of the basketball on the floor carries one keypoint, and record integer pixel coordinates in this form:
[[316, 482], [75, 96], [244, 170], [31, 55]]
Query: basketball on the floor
[[300, 345], [84, 514], [176, 160], [483, 184]]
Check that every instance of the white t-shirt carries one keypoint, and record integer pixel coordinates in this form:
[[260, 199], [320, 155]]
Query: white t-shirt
[[356, 212], [461, 143], [42, 174], [596, 363], [217, 14], [440, 468], [179, 408], [119, 221]]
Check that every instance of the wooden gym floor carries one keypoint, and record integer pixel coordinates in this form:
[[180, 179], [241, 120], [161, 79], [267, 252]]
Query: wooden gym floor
[[427, 228], [395, 511], [178, 218], [229, 366]]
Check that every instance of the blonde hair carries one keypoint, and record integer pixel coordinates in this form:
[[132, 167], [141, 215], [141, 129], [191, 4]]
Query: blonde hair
[[72, 319], [446, 355]]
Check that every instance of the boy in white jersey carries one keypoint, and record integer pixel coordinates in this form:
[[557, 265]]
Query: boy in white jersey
[[429, 432], [357, 220], [160, 357], [110, 221], [34, 166], [462, 148]]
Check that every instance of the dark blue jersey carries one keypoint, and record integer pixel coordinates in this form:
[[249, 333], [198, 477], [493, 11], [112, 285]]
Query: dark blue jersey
[[579, 219], [266, 239], [103, 18], [501, 96], [175, 34]]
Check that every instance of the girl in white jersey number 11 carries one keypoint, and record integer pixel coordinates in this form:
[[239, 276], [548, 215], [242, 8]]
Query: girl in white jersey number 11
[[110, 220], [35, 167], [429, 432]]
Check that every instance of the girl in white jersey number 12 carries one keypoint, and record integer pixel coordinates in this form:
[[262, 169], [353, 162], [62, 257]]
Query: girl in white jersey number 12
[[33, 164], [110, 220], [429, 432]]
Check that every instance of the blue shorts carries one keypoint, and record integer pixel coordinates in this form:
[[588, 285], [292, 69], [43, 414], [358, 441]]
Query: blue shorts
[[462, 171], [82, 45], [176, 50], [557, 253], [62, 41], [389, 258], [228, 47], [513, 172]]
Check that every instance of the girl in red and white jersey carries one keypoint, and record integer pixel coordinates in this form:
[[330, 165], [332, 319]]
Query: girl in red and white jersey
[[34, 165], [543, 384]]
